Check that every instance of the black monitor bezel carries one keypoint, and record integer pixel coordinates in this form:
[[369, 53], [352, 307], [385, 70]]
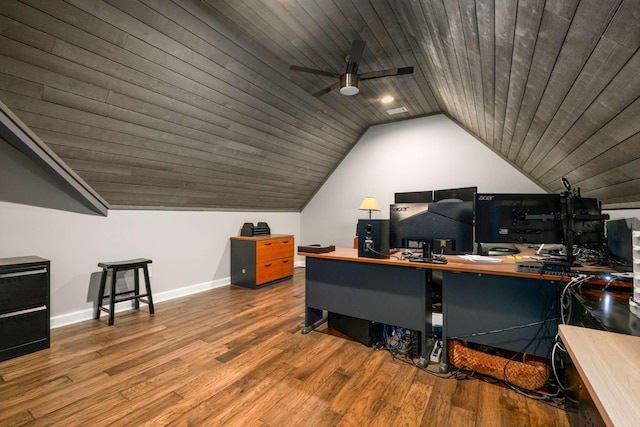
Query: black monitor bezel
[[496, 221]]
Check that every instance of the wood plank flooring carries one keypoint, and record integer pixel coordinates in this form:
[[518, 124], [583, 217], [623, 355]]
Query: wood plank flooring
[[235, 356]]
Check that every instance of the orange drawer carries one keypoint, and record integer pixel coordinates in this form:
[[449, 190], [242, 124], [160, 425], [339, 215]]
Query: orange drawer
[[272, 270], [273, 249]]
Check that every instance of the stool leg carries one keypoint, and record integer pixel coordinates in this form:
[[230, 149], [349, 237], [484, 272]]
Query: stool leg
[[136, 288], [148, 286], [103, 281], [112, 297]]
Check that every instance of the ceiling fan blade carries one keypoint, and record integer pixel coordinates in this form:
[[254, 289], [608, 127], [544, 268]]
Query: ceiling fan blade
[[314, 71], [357, 48], [327, 89], [386, 73]]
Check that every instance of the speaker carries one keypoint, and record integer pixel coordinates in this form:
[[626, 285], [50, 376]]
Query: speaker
[[373, 238]]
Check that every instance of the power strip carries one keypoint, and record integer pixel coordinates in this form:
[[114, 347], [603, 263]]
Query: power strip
[[436, 353]]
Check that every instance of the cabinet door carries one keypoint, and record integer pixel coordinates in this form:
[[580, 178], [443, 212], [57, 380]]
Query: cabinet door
[[25, 289], [273, 269], [23, 328], [274, 249]]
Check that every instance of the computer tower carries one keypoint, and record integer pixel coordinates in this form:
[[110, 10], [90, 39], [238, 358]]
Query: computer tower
[[363, 331], [373, 238]]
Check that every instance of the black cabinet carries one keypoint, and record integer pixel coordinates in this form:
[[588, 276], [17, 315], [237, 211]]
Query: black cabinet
[[24, 306], [579, 404]]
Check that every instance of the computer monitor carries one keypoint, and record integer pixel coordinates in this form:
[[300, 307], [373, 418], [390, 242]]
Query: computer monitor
[[518, 218], [465, 194], [446, 221], [414, 197], [620, 242]]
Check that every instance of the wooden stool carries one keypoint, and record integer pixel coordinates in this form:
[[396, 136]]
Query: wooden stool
[[114, 297]]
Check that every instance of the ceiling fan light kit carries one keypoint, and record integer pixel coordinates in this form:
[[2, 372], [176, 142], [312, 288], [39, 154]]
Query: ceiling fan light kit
[[348, 83]]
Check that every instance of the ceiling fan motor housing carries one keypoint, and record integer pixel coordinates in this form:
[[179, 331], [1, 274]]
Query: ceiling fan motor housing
[[349, 84], [350, 79]]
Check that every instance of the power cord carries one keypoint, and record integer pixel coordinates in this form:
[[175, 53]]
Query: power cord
[[496, 331], [370, 249], [565, 303]]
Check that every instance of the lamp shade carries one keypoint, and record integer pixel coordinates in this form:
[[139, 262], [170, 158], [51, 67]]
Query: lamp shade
[[369, 204]]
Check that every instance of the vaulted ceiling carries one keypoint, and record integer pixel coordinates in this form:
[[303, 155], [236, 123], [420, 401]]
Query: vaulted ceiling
[[192, 104]]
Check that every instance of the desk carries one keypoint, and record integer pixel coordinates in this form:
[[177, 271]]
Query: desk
[[476, 298], [606, 309], [608, 364], [375, 291]]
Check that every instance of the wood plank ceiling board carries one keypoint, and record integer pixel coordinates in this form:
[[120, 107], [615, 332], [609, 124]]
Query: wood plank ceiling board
[[463, 57], [191, 104], [419, 43], [460, 85], [604, 63], [505, 24], [528, 23], [486, 29], [589, 21], [623, 126], [470, 29], [433, 45], [425, 98], [621, 92], [551, 34]]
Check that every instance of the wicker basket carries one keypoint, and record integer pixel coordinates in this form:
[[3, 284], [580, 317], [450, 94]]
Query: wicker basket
[[528, 374]]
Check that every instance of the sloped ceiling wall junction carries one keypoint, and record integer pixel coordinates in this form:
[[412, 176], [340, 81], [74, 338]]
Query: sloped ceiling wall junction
[[191, 104]]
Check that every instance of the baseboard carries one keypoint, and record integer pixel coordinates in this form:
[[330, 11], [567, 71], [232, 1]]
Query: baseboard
[[87, 314]]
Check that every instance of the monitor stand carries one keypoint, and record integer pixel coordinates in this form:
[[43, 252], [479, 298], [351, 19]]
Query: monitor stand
[[557, 253]]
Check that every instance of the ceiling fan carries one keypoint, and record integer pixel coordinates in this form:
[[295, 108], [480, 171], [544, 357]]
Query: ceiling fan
[[348, 82]]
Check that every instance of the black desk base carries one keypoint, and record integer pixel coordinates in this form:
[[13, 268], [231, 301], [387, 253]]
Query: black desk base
[[393, 295], [510, 313]]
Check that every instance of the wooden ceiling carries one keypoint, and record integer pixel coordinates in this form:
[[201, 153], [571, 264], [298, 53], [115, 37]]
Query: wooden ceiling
[[191, 104]]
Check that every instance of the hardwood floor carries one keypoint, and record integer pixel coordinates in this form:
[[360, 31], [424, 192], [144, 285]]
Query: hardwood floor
[[235, 356]]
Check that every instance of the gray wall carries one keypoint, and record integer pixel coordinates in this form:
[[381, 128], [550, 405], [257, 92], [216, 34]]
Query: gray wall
[[428, 153], [190, 250], [23, 181]]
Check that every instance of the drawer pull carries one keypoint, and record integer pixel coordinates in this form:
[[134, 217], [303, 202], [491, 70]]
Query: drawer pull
[[285, 241], [21, 312], [268, 243], [268, 265], [284, 261], [23, 273]]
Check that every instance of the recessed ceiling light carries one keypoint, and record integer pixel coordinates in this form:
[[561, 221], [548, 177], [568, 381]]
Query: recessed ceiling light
[[387, 99]]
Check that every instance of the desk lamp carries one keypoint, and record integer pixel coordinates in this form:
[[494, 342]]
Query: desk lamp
[[369, 204]]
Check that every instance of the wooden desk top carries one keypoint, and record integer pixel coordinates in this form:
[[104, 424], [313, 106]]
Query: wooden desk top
[[609, 365], [454, 263], [263, 237]]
